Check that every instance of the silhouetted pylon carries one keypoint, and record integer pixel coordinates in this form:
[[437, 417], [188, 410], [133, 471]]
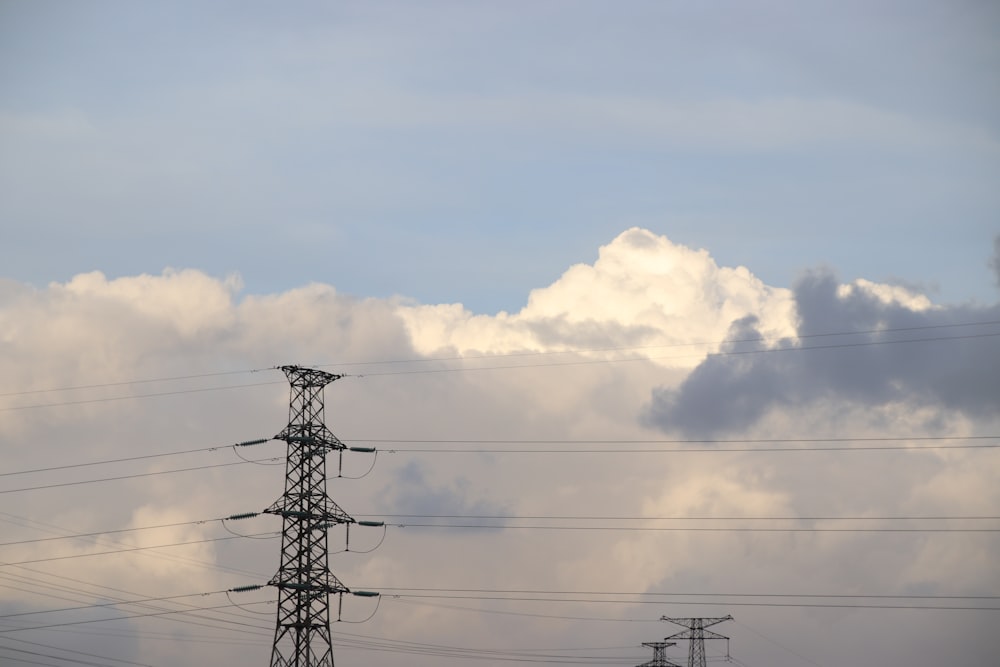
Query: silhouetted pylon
[[304, 581], [659, 655], [696, 634]]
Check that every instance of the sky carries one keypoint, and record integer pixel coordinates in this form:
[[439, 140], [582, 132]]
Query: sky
[[649, 309]]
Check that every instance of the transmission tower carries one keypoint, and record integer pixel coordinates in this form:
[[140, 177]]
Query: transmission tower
[[304, 580], [659, 655], [696, 634]]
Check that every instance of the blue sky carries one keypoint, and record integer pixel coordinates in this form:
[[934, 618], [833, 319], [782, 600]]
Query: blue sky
[[469, 152]]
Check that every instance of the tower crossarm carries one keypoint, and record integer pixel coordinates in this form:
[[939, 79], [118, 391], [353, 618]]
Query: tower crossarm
[[699, 622], [315, 512], [322, 584], [706, 634], [310, 440]]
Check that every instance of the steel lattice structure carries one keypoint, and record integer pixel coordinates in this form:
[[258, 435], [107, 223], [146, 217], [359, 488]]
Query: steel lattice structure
[[304, 581], [697, 634], [659, 655]]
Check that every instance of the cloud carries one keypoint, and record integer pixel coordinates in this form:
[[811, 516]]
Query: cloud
[[862, 344], [420, 496], [644, 292], [129, 368]]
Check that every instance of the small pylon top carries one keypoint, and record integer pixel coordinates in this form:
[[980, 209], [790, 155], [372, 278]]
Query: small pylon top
[[300, 376], [659, 654]]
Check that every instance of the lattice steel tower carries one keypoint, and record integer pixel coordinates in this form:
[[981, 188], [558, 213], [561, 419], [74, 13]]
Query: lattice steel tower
[[659, 655], [697, 634], [304, 580]]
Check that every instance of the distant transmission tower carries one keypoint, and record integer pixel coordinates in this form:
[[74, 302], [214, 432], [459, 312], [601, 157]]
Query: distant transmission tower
[[659, 655], [304, 580], [697, 634]]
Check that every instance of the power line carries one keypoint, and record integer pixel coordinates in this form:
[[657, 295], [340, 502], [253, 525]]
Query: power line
[[123, 618], [375, 643], [697, 602], [759, 339], [510, 517], [391, 591], [74, 589], [35, 591], [133, 476], [77, 536], [491, 655], [131, 549], [684, 518], [726, 341], [682, 450], [688, 529], [776, 643], [501, 655], [500, 612], [617, 450], [133, 458], [725, 353], [508, 367], [515, 527], [495, 517], [566, 655], [74, 651], [108, 399], [405, 646], [128, 382], [698, 441], [229, 627], [689, 451], [103, 605], [48, 655], [51, 528], [250, 638]]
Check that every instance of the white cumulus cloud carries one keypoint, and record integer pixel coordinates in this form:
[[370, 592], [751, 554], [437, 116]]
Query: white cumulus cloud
[[642, 292], [602, 384]]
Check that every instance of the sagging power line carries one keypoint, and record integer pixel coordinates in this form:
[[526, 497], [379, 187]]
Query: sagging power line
[[781, 346], [621, 446]]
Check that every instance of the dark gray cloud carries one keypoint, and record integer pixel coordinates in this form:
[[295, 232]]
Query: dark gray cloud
[[925, 357], [413, 494]]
